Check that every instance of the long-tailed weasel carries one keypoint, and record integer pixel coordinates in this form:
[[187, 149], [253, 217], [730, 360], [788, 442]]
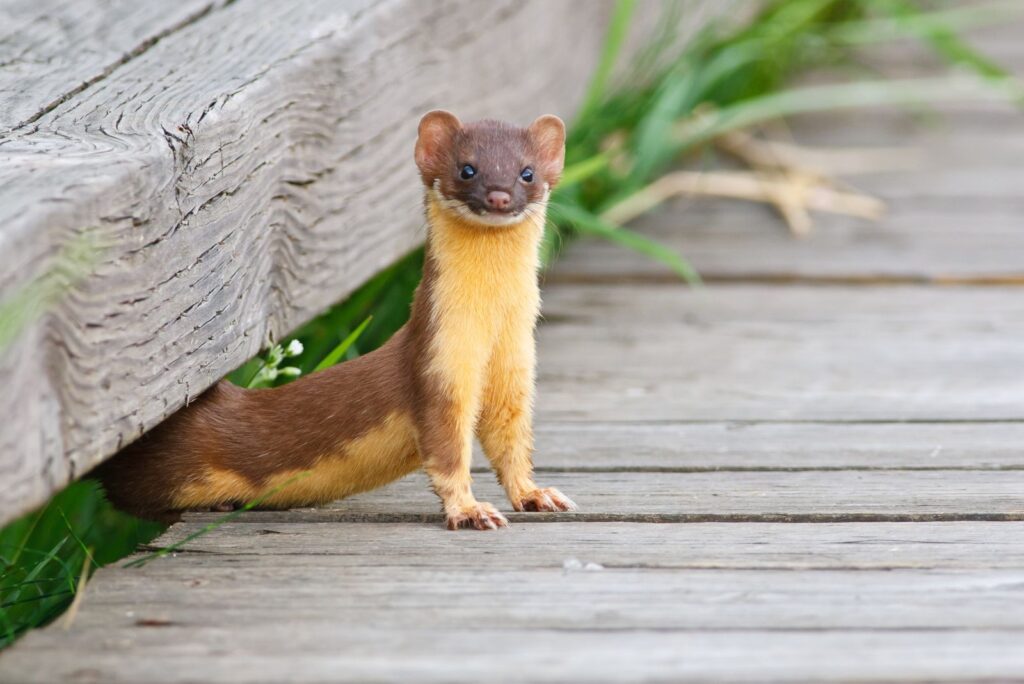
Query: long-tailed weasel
[[463, 364]]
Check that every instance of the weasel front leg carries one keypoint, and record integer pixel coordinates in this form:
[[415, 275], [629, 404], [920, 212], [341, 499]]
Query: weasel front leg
[[445, 443], [505, 428]]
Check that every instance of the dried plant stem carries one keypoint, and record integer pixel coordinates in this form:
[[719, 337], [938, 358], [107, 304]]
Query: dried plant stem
[[744, 185], [820, 162], [790, 179], [69, 617]]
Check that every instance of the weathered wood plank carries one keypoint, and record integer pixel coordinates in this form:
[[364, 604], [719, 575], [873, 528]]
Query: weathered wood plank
[[216, 613], [235, 178], [643, 352], [776, 446], [954, 214], [998, 40], [798, 546], [968, 168], [718, 496], [237, 593], [929, 242], [48, 56], [350, 653]]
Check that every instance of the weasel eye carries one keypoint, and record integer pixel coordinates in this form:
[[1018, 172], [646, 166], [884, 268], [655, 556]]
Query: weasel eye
[[467, 172], [527, 175]]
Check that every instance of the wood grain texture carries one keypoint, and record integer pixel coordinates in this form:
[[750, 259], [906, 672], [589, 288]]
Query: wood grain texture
[[744, 352], [234, 178], [346, 653], [647, 446], [723, 496], [697, 601], [797, 546], [934, 241], [556, 598], [51, 52], [954, 214]]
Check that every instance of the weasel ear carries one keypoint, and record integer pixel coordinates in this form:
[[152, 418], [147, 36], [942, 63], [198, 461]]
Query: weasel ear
[[547, 135], [434, 144]]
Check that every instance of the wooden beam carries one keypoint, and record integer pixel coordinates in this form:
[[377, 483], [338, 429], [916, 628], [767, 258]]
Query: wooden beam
[[228, 171]]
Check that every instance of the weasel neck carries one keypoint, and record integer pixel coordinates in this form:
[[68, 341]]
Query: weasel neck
[[479, 287], [488, 263]]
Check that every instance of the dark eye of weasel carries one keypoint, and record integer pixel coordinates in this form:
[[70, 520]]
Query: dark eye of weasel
[[527, 175], [467, 172]]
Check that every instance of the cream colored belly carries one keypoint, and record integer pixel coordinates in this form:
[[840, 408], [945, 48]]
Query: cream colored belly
[[380, 456]]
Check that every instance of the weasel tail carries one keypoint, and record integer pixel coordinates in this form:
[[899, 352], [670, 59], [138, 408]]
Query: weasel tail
[[463, 365]]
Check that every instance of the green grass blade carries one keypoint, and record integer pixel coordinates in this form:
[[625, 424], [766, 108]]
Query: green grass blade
[[340, 350], [586, 222], [944, 40], [30, 599], [251, 381], [160, 553], [74, 535], [615, 37], [578, 172], [825, 98], [918, 23]]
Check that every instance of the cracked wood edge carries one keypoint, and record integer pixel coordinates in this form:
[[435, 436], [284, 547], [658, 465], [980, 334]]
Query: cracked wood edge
[[52, 51]]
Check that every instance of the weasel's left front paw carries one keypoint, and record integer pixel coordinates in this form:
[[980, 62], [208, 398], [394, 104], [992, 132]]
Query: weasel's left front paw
[[545, 499], [478, 515]]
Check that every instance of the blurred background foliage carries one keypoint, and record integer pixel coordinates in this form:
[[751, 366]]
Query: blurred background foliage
[[637, 121]]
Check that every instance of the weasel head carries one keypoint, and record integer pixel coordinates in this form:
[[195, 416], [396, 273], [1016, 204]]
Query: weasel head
[[490, 173]]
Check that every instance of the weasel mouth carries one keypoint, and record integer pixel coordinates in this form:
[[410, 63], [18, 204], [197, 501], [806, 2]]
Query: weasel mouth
[[478, 212], [492, 217], [488, 211]]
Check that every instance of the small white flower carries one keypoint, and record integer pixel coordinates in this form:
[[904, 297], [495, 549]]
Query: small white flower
[[294, 348]]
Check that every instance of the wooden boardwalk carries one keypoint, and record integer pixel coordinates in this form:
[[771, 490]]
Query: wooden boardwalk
[[810, 469]]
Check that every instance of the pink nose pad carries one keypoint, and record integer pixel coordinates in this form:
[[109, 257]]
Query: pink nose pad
[[498, 199]]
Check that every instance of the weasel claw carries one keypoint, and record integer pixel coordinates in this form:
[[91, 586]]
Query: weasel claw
[[546, 499], [480, 516]]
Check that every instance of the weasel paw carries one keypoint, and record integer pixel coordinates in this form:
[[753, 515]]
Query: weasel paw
[[480, 516], [546, 499]]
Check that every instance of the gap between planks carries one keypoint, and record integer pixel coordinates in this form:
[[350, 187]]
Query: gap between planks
[[782, 279], [861, 546], [322, 515]]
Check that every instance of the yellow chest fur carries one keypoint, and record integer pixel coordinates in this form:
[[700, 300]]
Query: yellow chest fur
[[486, 290]]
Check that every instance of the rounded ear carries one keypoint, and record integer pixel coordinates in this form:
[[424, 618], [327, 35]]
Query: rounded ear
[[434, 144], [547, 135]]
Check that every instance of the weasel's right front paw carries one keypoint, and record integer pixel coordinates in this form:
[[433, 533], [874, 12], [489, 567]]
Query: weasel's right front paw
[[478, 515], [546, 499]]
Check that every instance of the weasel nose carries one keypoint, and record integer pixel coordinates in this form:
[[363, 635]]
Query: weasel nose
[[499, 199]]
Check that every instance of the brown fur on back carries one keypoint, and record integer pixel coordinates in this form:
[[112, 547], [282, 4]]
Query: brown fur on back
[[261, 433]]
